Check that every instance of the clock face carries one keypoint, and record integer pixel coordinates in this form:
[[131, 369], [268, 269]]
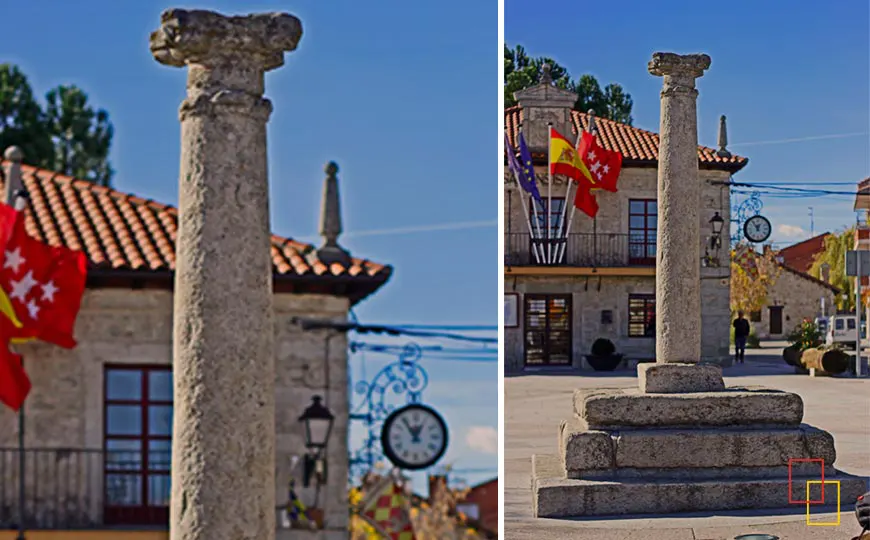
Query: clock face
[[414, 437], [757, 229]]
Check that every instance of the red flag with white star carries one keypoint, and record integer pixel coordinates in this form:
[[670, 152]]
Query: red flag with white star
[[14, 382], [45, 285], [604, 165]]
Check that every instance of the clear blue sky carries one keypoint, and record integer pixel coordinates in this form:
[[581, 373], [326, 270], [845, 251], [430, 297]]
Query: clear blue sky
[[780, 70], [402, 95]]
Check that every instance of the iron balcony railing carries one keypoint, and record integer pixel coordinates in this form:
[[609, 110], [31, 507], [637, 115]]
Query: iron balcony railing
[[601, 250], [83, 489]]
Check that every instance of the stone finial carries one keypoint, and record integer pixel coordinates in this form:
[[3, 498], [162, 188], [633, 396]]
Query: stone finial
[[13, 185], [723, 139], [592, 128], [14, 154], [546, 77], [330, 220], [196, 36]]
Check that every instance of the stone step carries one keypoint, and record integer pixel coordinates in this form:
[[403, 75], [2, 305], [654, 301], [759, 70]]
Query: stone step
[[625, 408], [555, 496], [602, 451]]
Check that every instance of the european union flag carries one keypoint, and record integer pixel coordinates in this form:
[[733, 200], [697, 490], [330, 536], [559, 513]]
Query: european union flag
[[527, 171]]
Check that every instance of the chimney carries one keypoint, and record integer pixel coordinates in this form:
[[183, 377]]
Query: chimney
[[330, 221], [545, 104]]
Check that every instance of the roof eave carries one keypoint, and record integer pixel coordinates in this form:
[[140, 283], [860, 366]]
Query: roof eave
[[354, 288]]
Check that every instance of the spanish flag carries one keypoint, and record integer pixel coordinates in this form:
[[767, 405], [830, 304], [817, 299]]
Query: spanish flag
[[565, 160]]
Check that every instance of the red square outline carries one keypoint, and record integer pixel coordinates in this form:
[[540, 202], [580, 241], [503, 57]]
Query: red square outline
[[808, 460]]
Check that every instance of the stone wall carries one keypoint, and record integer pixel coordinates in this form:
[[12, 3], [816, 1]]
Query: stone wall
[[65, 407], [634, 183], [800, 298]]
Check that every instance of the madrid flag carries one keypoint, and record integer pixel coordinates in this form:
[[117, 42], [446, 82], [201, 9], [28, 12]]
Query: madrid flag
[[44, 286]]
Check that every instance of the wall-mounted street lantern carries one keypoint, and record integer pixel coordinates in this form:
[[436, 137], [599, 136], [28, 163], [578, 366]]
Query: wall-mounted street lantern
[[716, 224], [317, 420]]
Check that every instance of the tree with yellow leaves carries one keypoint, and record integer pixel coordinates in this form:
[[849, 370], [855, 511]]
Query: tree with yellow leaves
[[435, 519], [752, 276]]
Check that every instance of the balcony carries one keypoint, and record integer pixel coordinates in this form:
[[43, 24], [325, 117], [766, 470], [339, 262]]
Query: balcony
[[586, 250], [69, 489]]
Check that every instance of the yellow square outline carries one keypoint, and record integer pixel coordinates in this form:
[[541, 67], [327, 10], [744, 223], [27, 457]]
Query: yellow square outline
[[823, 482]]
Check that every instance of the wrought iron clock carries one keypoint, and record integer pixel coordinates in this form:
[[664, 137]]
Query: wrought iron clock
[[757, 229], [414, 437]]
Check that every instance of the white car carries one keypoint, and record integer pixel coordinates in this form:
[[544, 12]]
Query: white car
[[841, 329]]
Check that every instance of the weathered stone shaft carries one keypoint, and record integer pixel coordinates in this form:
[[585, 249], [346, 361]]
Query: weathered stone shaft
[[678, 284], [223, 459]]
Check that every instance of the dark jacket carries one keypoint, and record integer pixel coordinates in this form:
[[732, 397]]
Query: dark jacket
[[741, 328]]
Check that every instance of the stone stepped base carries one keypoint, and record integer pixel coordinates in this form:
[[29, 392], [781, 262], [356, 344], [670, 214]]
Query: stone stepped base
[[556, 496], [625, 408], [583, 450]]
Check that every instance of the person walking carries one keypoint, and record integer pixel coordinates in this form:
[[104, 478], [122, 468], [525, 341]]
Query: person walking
[[741, 333]]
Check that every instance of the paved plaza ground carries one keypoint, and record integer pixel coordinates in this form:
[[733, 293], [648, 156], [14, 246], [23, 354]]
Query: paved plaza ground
[[535, 404]]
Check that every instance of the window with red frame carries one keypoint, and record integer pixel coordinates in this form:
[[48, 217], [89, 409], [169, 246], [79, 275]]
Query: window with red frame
[[138, 444], [642, 227]]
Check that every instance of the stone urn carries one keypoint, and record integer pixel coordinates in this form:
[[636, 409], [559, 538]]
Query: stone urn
[[603, 356]]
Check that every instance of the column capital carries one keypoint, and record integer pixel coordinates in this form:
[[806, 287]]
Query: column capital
[[202, 37], [688, 66]]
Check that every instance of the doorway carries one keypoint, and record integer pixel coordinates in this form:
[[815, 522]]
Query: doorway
[[775, 319], [547, 330]]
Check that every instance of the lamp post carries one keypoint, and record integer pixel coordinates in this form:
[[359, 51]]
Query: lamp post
[[317, 420]]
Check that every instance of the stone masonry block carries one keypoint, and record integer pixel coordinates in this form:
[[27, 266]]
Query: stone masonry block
[[736, 406], [675, 378], [582, 449], [721, 448]]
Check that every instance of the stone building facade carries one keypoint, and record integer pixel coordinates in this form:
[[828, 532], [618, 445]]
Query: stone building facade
[[76, 414], [793, 297], [604, 287]]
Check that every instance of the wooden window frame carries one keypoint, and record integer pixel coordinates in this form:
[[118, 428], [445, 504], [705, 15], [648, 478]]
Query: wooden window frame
[[526, 298], [648, 300], [144, 513]]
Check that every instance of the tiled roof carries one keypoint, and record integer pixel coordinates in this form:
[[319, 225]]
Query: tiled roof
[[801, 256], [637, 146], [122, 233]]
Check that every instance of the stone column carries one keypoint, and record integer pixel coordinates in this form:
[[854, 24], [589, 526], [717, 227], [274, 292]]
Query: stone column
[[678, 257], [223, 455]]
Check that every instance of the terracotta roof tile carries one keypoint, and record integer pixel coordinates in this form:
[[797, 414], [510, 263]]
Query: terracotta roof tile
[[123, 232], [637, 146], [801, 256]]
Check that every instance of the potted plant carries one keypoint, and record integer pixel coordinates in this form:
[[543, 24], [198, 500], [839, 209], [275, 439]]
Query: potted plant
[[603, 355], [804, 336]]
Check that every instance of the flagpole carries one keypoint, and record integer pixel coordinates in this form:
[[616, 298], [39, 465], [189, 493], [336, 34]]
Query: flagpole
[[549, 191], [534, 208], [16, 196], [592, 131], [563, 232], [525, 213]]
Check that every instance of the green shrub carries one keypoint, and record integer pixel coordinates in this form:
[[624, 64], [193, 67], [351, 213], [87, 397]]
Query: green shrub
[[805, 335]]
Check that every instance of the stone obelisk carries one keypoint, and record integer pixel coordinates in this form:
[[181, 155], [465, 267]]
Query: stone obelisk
[[223, 455]]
